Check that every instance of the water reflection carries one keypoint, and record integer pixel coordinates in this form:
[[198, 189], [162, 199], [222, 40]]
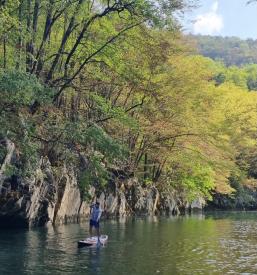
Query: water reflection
[[12, 244], [217, 243]]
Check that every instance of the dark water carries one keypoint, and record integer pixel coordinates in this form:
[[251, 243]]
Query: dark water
[[224, 243]]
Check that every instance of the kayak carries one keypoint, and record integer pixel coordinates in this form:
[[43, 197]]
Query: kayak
[[92, 241]]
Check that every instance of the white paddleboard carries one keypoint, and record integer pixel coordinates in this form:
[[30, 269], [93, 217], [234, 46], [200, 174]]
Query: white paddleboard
[[92, 241]]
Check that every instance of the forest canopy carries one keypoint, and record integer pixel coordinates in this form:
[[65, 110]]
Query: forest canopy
[[109, 87], [230, 50]]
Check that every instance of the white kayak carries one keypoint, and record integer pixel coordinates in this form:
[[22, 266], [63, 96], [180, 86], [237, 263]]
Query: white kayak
[[92, 241]]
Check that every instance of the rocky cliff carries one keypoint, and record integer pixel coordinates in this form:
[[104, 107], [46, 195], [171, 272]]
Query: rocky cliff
[[54, 196]]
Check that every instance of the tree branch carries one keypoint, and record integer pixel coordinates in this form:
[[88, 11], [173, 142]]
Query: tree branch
[[111, 40]]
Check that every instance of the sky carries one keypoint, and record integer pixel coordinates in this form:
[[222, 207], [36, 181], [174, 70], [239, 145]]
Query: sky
[[223, 17]]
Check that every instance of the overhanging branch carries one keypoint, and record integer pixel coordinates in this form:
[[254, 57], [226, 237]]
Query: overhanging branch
[[86, 61]]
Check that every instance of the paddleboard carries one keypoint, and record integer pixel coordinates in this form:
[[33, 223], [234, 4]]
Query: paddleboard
[[93, 241]]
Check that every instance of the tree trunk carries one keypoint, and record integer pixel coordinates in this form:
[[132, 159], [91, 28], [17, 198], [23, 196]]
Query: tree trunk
[[64, 41], [19, 45], [29, 43], [5, 52], [39, 64]]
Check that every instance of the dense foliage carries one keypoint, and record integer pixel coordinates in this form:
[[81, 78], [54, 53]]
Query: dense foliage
[[108, 87], [231, 50]]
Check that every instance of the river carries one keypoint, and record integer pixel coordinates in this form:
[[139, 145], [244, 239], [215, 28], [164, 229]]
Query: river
[[213, 243]]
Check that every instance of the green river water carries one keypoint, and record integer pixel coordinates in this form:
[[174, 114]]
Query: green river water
[[213, 243]]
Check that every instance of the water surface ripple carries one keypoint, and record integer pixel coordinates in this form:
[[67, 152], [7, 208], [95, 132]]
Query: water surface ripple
[[214, 243]]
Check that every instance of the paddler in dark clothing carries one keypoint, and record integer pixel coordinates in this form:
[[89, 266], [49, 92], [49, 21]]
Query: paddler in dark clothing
[[95, 215]]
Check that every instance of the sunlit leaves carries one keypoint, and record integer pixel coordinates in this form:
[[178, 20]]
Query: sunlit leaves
[[20, 88]]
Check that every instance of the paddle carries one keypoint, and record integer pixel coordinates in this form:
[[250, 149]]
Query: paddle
[[99, 242]]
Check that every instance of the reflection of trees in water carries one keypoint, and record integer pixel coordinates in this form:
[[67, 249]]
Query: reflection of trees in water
[[54, 250], [182, 245], [13, 251]]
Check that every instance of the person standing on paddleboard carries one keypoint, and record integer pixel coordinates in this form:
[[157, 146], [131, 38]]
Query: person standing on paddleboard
[[95, 215]]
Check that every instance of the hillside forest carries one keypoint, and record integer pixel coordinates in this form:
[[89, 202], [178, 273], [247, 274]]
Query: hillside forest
[[115, 89]]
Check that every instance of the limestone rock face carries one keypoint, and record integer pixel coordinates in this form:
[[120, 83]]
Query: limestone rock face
[[198, 204], [52, 195], [111, 204], [44, 197]]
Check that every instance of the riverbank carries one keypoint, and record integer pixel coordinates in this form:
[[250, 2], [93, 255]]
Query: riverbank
[[52, 195]]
